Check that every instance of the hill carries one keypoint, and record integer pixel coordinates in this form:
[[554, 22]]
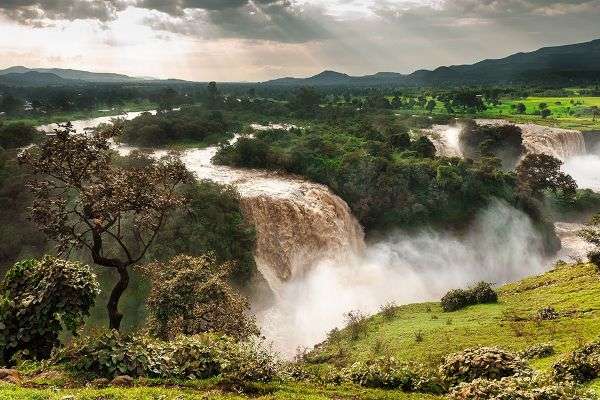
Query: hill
[[570, 63], [573, 290], [34, 78], [75, 75]]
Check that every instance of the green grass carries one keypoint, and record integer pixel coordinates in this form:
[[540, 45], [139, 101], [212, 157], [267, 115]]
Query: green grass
[[77, 115], [574, 291], [204, 392], [559, 118]]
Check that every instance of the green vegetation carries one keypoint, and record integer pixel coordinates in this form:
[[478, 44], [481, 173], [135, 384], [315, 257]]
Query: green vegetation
[[511, 324], [190, 125]]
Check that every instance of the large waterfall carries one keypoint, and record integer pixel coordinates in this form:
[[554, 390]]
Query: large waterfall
[[298, 223], [311, 250], [560, 143]]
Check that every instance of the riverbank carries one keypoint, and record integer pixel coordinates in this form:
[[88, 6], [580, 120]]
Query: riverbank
[[81, 115]]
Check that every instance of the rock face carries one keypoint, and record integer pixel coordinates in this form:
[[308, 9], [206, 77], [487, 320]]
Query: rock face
[[556, 142], [297, 222]]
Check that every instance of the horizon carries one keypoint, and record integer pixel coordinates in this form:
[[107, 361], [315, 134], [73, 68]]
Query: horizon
[[259, 40]]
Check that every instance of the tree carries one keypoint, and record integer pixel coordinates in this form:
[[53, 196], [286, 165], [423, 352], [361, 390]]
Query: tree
[[591, 234], [540, 172], [38, 298], [192, 295], [543, 106], [595, 111], [305, 102], [214, 99], [424, 147], [81, 199], [11, 104], [521, 109], [545, 113], [430, 105], [16, 135]]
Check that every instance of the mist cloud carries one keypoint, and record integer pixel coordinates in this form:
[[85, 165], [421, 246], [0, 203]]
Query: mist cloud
[[501, 246]]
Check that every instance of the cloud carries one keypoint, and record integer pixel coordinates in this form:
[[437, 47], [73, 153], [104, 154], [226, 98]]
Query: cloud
[[38, 13], [268, 20]]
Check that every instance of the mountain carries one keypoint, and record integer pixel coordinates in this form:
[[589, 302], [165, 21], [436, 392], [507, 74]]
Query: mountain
[[76, 75], [33, 78], [570, 63]]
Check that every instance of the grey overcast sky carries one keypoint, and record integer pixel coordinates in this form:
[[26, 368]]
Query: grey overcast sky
[[253, 40]]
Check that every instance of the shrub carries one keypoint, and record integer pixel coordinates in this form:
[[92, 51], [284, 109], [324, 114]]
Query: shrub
[[482, 293], [192, 295], [388, 310], [38, 298], [515, 389], [538, 351], [455, 300], [547, 314], [187, 357], [485, 362], [458, 299], [387, 373], [582, 365], [356, 323]]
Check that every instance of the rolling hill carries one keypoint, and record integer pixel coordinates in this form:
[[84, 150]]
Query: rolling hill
[[572, 63], [74, 75]]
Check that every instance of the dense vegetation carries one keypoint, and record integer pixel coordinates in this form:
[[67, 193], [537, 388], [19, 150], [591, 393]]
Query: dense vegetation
[[190, 125], [389, 179]]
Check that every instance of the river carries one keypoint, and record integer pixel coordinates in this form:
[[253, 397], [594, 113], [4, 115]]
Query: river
[[311, 250]]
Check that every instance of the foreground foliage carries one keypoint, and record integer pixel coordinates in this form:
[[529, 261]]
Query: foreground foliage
[[38, 298]]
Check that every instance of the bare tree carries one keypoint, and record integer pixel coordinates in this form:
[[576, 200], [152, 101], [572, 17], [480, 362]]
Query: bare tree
[[83, 199]]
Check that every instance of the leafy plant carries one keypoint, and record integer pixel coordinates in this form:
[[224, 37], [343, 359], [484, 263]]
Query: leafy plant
[[485, 362], [38, 298]]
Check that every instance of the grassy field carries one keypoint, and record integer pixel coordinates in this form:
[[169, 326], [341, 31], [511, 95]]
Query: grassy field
[[425, 334], [417, 333], [561, 108], [204, 391], [77, 115]]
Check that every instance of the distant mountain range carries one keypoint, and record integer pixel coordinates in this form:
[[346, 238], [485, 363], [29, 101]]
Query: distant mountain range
[[575, 62], [57, 76], [569, 64]]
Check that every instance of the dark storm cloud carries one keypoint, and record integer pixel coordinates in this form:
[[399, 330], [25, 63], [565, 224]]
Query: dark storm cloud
[[271, 20], [34, 12]]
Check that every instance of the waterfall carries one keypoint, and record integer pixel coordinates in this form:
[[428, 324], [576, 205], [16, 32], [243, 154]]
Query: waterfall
[[560, 143], [298, 223], [446, 139]]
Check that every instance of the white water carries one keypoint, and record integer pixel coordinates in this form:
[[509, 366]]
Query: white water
[[311, 251]]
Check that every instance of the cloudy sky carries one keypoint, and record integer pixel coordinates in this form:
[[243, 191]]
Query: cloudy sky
[[251, 40]]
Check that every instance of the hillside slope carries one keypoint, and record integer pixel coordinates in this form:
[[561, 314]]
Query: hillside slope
[[512, 323]]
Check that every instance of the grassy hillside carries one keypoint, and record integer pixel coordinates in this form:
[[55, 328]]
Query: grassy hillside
[[418, 333], [425, 334]]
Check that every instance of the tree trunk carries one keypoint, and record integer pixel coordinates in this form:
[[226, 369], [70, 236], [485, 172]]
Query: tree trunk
[[114, 316]]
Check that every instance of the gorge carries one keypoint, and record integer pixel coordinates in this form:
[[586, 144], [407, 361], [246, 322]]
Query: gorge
[[312, 253]]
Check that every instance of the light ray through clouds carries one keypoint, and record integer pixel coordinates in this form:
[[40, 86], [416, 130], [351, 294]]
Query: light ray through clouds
[[262, 39]]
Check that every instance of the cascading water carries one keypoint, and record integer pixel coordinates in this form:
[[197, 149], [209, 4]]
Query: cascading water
[[446, 140], [311, 250], [537, 139]]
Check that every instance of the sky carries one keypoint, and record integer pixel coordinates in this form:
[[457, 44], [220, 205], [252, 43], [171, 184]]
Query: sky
[[256, 40]]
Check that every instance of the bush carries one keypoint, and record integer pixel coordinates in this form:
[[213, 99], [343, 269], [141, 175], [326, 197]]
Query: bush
[[356, 323], [582, 365], [482, 293], [455, 300], [458, 299], [485, 362], [515, 389], [40, 298], [538, 351], [187, 357], [387, 373]]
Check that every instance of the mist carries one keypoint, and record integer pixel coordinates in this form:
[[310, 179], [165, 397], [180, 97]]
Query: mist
[[501, 246], [584, 169]]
